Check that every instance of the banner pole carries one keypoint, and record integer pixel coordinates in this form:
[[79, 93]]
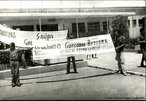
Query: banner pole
[[132, 27]]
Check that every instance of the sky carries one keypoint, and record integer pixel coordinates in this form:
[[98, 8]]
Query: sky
[[26, 4]]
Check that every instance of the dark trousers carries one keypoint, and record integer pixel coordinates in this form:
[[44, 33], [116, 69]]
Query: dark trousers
[[23, 61], [143, 57], [73, 62], [121, 62]]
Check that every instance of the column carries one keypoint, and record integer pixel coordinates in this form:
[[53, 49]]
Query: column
[[77, 27], [86, 28], [137, 27], [101, 25], [107, 19], [131, 27], [137, 23], [35, 28]]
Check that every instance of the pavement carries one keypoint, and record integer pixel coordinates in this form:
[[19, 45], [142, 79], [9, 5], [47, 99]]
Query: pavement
[[97, 81], [41, 69], [107, 61], [104, 61], [88, 84]]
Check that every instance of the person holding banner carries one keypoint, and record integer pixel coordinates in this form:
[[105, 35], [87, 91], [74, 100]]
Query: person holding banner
[[22, 57], [119, 46], [14, 64], [71, 58], [142, 47]]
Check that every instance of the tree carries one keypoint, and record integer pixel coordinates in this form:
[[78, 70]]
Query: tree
[[120, 23]]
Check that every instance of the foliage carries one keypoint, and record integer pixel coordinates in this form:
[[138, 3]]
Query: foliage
[[120, 23], [132, 43]]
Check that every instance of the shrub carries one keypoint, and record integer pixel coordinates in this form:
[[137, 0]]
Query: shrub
[[132, 43]]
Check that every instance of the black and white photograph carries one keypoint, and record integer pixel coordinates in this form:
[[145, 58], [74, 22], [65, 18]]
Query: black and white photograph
[[72, 49]]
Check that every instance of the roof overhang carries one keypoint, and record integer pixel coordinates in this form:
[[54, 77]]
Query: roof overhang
[[29, 14], [66, 14]]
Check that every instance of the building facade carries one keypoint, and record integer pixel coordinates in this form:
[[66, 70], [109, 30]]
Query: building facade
[[80, 26], [80, 17]]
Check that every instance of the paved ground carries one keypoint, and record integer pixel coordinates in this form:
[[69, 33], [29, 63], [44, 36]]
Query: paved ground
[[107, 61], [89, 84]]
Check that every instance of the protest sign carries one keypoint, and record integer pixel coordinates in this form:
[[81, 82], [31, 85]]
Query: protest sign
[[24, 38], [62, 48]]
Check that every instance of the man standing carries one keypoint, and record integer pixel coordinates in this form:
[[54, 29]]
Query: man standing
[[71, 58], [68, 64], [14, 64], [22, 56], [142, 47], [119, 46]]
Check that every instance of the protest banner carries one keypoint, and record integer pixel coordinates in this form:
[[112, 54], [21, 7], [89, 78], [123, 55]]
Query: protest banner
[[62, 48], [24, 38]]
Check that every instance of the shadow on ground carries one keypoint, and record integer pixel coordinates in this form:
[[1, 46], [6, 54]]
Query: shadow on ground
[[51, 81]]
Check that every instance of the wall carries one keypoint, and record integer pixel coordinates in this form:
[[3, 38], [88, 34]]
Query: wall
[[64, 23], [134, 31]]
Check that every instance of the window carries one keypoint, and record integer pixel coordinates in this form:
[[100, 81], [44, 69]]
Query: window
[[129, 23], [24, 27], [48, 27], [74, 28], [105, 25], [134, 23], [81, 27], [93, 26], [140, 21]]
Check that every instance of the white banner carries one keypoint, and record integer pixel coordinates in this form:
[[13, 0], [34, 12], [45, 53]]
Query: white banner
[[24, 38], [63, 48]]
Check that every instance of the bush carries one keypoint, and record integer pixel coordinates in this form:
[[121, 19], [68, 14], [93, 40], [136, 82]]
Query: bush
[[132, 43]]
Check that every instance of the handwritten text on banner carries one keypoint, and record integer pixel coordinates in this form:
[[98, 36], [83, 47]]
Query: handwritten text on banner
[[24, 38], [61, 48]]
